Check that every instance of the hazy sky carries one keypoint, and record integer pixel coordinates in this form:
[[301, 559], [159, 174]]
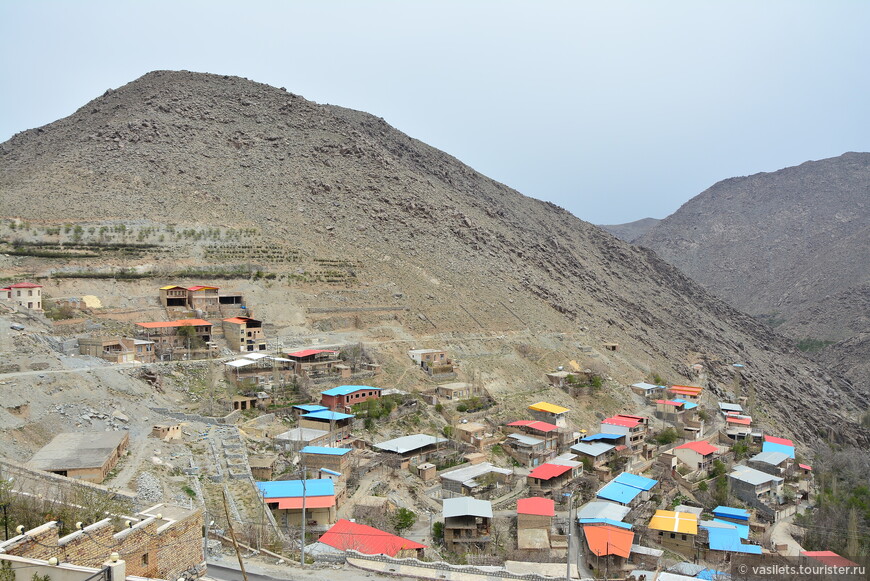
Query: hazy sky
[[614, 110]]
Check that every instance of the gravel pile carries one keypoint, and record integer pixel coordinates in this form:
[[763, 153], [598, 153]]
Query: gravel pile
[[148, 489]]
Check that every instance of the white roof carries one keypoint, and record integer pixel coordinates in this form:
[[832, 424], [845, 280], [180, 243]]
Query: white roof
[[647, 386], [409, 443], [772, 458], [603, 509], [641, 550], [255, 356], [730, 407], [281, 359], [593, 449], [466, 506], [560, 461], [301, 435], [526, 439], [241, 363], [752, 476], [469, 473]]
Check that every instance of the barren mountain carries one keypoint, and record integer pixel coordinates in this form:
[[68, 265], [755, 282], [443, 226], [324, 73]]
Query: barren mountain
[[630, 231], [791, 247], [399, 223]]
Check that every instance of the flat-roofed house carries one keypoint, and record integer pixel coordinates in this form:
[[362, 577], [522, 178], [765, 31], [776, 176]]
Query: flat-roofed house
[[25, 294], [335, 459], [474, 479], [169, 339], [88, 456], [551, 413], [413, 449], [753, 486]]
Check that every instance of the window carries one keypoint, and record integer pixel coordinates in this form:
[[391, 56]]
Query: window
[[673, 535], [684, 537], [145, 559]]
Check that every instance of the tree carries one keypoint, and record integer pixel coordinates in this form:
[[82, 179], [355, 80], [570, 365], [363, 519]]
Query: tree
[[438, 531], [404, 519], [190, 338]]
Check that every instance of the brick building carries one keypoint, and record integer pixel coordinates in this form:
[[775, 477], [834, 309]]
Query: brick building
[[169, 341], [341, 398], [163, 542], [88, 456], [244, 334]]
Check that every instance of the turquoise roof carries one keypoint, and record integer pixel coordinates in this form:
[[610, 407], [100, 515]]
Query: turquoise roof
[[348, 389], [325, 451]]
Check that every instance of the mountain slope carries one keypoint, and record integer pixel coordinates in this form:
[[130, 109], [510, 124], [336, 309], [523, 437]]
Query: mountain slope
[[792, 246], [419, 228], [631, 230]]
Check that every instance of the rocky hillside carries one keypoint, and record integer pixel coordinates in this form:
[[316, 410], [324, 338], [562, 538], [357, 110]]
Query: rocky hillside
[[630, 231], [399, 223], [791, 247]]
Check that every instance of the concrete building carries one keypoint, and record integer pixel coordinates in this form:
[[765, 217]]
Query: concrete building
[[24, 294], [173, 343], [550, 413], [453, 391], [286, 499], [473, 480], [244, 334], [88, 456], [467, 524], [118, 349], [534, 523], [698, 455], [675, 530], [335, 459], [634, 428], [753, 486]]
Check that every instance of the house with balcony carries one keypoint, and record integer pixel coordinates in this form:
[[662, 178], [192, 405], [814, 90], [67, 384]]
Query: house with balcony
[[754, 486], [244, 334], [698, 455], [343, 397], [467, 524], [634, 428], [180, 338], [286, 498]]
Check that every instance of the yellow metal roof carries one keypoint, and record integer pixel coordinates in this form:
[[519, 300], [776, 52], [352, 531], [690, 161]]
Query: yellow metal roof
[[675, 522], [169, 286], [543, 406]]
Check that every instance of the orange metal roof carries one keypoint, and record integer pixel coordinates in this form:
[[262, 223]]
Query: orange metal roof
[[237, 320], [200, 287], [606, 539], [669, 402], [178, 323], [310, 502], [536, 506], [741, 421], [703, 448]]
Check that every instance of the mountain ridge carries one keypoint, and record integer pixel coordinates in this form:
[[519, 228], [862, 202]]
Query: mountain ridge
[[193, 148]]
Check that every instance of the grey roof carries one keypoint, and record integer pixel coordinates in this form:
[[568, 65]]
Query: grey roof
[[409, 443], [772, 458], [730, 407], [77, 450], [685, 568], [562, 461], [641, 550], [466, 506], [603, 509], [525, 439], [593, 449], [647, 386], [690, 509], [752, 476], [469, 473]]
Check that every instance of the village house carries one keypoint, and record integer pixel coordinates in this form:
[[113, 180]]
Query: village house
[[161, 542], [738, 426], [203, 298], [675, 530], [549, 479], [727, 537], [166, 432], [608, 545], [753, 486], [685, 392], [627, 489], [531, 442], [473, 480], [315, 363], [602, 511], [534, 523], [774, 444], [173, 296], [118, 350], [335, 459], [24, 294], [337, 424], [257, 368], [413, 449], [285, 499], [467, 524], [244, 334], [88, 456], [634, 428], [453, 391], [170, 339], [346, 535], [774, 463], [596, 453], [698, 455], [670, 410], [297, 438], [550, 413], [648, 390], [341, 398], [472, 433], [726, 407], [263, 467]]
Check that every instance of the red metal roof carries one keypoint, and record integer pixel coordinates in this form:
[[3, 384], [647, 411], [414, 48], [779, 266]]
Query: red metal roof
[[536, 506], [687, 389], [310, 502], [741, 421], [641, 418], [829, 558], [201, 287], [625, 422], [535, 425], [669, 402], [547, 471], [178, 323], [346, 535], [25, 285], [521, 423], [703, 448], [307, 352], [775, 440], [805, 466]]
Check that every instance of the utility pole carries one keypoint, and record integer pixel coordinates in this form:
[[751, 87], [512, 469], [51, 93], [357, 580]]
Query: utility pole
[[302, 549], [233, 536], [570, 526]]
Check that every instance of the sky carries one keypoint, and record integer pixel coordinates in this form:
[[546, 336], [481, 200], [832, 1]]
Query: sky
[[614, 110]]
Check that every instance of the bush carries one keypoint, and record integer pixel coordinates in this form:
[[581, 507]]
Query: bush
[[438, 531], [666, 436], [404, 519]]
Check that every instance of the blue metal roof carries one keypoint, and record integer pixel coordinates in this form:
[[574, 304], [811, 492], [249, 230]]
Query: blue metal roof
[[595, 437], [327, 415], [636, 481], [607, 521], [731, 512], [310, 407], [712, 574], [294, 488], [687, 404], [347, 389], [617, 492], [774, 447], [728, 539], [324, 450]]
